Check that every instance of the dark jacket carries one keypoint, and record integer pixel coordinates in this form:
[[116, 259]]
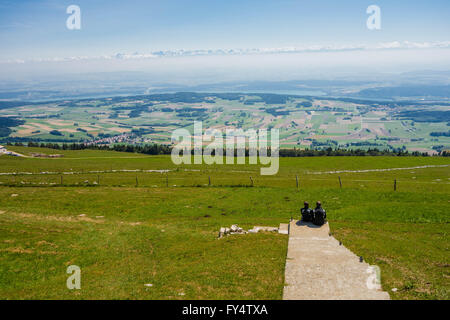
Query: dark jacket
[[320, 216], [307, 214]]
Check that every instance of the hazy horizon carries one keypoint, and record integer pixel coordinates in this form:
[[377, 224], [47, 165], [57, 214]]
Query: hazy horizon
[[216, 41]]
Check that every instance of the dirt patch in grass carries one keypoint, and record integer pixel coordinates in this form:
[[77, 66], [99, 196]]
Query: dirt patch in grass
[[17, 250], [31, 216]]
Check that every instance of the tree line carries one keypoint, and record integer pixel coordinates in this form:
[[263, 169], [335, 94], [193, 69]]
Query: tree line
[[161, 149]]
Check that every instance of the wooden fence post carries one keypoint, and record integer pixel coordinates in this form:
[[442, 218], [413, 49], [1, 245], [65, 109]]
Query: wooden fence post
[[167, 180], [395, 185], [340, 182], [209, 180], [61, 179], [137, 182], [296, 181], [251, 179]]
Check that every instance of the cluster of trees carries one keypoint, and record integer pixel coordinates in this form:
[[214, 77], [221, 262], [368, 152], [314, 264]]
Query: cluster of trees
[[425, 115], [364, 143], [6, 122], [276, 112], [152, 149], [56, 133], [142, 131], [440, 134], [114, 115], [347, 152], [157, 149], [317, 144], [270, 98], [12, 104], [305, 104], [196, 113], [50, 116], [135, 110], [438, 148]]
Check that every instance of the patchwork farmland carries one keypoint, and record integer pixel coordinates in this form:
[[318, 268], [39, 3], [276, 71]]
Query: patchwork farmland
[[304, 122]]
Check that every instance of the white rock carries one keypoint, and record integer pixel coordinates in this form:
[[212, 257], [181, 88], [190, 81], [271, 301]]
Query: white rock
[[270, 229], [148, 285], [394, 289], [234, 228]]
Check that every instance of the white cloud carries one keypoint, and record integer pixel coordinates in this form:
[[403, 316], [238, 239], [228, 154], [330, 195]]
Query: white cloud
[[394, 45]]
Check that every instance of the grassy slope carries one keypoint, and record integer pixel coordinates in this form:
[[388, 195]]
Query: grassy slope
[[167, 236]]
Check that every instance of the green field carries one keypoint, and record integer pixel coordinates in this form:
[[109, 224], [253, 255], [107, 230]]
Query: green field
[[127, 226]]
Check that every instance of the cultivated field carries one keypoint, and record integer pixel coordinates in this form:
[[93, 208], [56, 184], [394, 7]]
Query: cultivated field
[[303, 122], [129, 220]]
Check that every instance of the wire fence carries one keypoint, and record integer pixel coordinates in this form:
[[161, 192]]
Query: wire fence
[[200, 179]]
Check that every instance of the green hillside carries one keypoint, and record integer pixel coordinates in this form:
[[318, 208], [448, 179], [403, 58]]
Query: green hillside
[[127, 222]]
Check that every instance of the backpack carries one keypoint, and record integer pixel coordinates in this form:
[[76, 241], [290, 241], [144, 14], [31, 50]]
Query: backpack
[[319, 216]]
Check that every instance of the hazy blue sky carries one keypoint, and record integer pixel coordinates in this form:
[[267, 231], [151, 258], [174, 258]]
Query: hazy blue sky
[[36, 29]]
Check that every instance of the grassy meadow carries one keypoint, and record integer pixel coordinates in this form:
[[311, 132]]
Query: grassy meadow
[[126, 225]]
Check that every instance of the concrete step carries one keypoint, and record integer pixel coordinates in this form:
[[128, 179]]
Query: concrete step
[[284, 228], [317, 267]]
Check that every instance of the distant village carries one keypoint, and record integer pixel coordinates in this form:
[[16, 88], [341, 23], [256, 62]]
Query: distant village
[[122, 138], [3, 150]]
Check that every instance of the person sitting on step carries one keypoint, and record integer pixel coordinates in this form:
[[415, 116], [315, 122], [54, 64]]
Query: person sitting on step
[[307, 213], [320, 215]]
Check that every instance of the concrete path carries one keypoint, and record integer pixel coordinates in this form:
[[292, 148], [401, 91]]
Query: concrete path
[[319, 268]]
